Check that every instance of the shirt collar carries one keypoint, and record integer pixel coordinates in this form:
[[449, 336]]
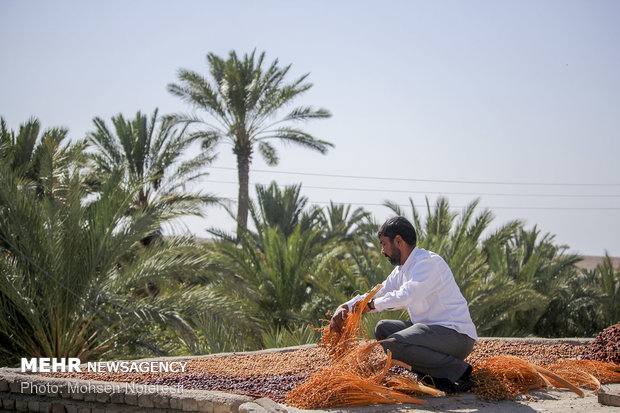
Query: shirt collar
[[410, 259]]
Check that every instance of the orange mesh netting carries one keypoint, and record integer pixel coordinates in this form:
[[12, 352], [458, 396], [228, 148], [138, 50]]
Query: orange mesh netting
[[503, 377], [589, 374], [348, 382], [358, 374], [340, 344], [355, 378]]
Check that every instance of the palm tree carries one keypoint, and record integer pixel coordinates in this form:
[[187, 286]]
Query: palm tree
[[280, 274], [549, 269], [283, 209], [610, 286], [39, 159], [151, 151], [341, 223], [243, 98], [498, 294], [275, 207], [271, 281], [71, 270], [592, 303]]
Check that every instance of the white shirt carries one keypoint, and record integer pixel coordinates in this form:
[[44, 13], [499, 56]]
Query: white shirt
[[425, 286]]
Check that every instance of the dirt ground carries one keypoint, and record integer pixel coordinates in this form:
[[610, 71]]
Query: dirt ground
[[537, 401]]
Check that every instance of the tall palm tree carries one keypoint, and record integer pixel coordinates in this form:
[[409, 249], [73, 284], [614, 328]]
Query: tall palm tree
[[243, 97], [151, 152]]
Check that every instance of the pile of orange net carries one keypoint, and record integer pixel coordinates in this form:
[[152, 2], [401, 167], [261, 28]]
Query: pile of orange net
[[504, 377], [358, 376]]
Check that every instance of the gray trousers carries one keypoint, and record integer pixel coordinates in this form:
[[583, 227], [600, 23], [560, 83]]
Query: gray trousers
[[434, 350]]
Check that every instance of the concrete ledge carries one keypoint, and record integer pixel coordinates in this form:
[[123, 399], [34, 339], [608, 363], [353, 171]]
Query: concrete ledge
[[607, 397], [30, 392]]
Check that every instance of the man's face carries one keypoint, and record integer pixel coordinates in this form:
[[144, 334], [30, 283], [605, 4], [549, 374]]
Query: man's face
[[390, 250]]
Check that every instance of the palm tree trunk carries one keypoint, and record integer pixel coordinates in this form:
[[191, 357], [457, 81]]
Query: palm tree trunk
[[243, 170]]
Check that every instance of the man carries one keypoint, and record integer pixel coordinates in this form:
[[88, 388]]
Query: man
[[441, 333]]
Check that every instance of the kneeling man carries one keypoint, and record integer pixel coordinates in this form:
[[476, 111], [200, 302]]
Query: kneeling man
[[441, 333]]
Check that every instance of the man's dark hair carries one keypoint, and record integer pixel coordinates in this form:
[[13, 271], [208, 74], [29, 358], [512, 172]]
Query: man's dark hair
[[398, 226]]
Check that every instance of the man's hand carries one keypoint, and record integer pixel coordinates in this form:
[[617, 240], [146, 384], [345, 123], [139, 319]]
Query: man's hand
[[366, 308], [338, 319]]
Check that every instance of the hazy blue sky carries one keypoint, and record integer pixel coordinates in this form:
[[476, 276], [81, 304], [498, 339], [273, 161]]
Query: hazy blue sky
[[510, 92]]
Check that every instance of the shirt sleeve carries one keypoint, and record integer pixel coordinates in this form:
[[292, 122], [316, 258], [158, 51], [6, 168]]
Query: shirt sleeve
[[358, 297], [388, 285], [422, 280]]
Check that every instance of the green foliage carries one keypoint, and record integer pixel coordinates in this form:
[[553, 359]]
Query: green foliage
[[339, 222], [69, 269], [218, 335], [610, 285], [78, 280], [594, 303], [269, 277], [74, 279], [278, 337], [39, 161]]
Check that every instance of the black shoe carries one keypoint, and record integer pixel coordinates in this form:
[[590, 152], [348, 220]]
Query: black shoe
[[464, 383], [424, 378], [439, 383], [445, 385], [465, 376]]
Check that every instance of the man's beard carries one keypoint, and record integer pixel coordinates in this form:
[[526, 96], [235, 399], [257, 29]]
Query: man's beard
[[395, 257]]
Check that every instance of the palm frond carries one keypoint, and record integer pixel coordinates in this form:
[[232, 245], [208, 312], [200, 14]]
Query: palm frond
[[298, 137], [270, 155]]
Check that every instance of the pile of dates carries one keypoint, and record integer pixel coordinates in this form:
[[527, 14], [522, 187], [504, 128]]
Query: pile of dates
[[606, 346], [275, 387]]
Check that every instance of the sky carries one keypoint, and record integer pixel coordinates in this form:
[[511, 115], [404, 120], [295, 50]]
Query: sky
[[514, 103]]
